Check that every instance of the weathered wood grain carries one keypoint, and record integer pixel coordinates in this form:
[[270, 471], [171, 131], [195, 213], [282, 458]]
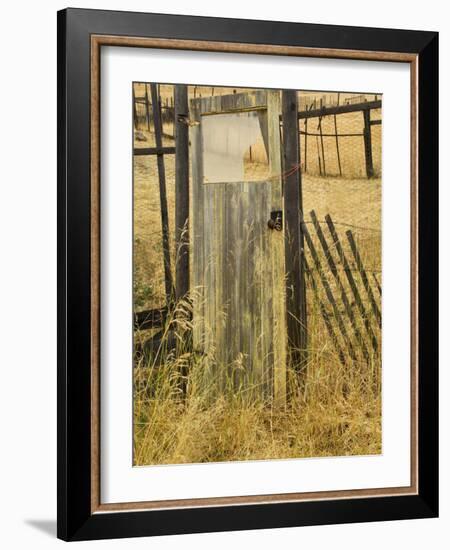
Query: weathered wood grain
[[293, 212], [144, 151], [277, 250], [162, 195], [238, 263], [368, 144], [181, 191], [340, 109], [197, 284]]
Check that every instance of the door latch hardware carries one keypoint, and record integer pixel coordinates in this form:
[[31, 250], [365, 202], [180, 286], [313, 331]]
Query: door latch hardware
[[276, 220]]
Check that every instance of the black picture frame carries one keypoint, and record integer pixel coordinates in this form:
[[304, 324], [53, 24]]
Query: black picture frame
[[75, 518]]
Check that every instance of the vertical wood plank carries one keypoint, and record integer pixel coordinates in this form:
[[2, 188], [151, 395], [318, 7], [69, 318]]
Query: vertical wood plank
[[368, 143], [319, 164], [210, 290], [220, 265], [147, 108], [134, 110], [293, 208], [322, 145], [306, 145], [162, 195], [337, 140], [256, 194], [234, 263], [197, 288], [244, 289], [267, 295], [277, 246], [181, 190]]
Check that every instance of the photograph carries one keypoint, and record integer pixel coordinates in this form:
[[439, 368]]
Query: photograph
[[257, 287]]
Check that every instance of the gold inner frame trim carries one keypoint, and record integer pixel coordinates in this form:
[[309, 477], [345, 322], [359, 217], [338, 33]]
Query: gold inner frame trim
[[97, 41]]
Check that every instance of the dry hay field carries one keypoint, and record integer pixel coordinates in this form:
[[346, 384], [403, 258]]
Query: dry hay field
[[338, 411]]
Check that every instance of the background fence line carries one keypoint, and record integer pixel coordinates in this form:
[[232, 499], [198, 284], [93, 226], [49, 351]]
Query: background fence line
[[346, 292], [326, 110]]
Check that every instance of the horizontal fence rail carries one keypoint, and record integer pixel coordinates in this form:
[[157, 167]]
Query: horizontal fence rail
[[344, 286], [340, 109]]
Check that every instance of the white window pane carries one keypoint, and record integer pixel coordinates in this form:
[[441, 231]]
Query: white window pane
[[234, 148]]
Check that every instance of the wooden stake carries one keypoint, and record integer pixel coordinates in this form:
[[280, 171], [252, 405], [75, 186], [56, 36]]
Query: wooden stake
[[340, 286], [162, 195], [368, 143], [351, 281], [277, 252], [328, 292], [293, 207], [322, 147], [318, 156], [134, 110], [181, 190], [337, 140], [147, 108], [364, 278], [324, 313], [306, 144]]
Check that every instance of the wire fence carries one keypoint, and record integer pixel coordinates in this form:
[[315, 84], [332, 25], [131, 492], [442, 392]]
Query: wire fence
[[342, 230], [344, 145], [343, 288], [337, 144]]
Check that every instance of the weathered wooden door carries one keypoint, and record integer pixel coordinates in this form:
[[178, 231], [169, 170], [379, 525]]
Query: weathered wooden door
[[238, 274]]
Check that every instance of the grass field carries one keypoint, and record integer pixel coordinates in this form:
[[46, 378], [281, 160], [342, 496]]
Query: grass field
[[338, 411]]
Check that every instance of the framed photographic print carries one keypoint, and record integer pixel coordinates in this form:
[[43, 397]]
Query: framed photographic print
[[247, 274]]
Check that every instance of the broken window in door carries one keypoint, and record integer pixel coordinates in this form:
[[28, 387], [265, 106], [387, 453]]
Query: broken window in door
[[235, 147]]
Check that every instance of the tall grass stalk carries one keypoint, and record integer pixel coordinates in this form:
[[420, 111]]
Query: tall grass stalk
[[181, 417]]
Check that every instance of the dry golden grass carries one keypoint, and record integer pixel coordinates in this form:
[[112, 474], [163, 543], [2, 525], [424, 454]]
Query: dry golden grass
[[339, 410], [337, 413], [351, 145]]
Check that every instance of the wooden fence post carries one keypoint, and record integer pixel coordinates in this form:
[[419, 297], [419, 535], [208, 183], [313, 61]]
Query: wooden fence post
[[162, 194], [318, 156], [368, 143], [306, 145], [294, 246], [278, 308], [181, 129], [134, 110], [337, 140], [147, 108], [321, 139], [322, 146]]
